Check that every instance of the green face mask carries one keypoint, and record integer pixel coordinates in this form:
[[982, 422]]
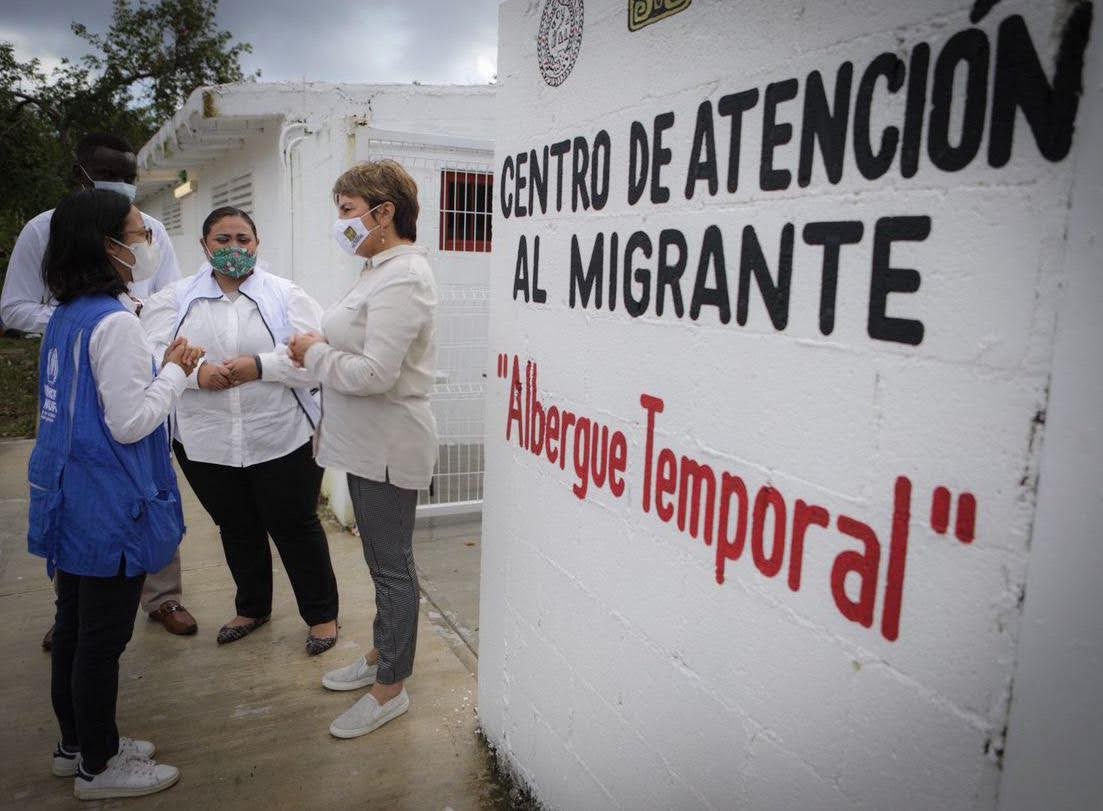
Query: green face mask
[[233, 262]]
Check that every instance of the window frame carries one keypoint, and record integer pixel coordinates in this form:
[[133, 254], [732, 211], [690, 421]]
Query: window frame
[[451, 216]]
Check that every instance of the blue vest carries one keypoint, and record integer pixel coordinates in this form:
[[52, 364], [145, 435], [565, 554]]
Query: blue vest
[[94, 500]]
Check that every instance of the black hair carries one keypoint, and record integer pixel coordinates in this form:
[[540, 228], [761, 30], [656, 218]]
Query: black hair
[[76, 262], [87, 145], [222, 213]]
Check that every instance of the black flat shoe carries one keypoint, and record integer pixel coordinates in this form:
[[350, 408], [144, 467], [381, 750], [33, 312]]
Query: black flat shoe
[[232, 633], [319, 644]]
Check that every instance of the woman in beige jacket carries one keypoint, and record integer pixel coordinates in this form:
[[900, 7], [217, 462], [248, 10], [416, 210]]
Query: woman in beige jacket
[[376, 365]]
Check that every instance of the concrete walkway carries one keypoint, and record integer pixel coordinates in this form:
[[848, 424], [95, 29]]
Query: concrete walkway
[[247, 723]]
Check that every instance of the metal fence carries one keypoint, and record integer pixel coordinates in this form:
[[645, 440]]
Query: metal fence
[[458, 402], [455, 184]]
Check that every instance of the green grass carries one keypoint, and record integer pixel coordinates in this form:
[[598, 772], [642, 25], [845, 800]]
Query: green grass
[[18, 386]]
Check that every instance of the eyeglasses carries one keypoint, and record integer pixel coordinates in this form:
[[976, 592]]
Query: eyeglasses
[[146, 232]]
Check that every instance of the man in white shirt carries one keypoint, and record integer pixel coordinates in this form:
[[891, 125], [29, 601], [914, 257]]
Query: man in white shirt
[[103, 161]]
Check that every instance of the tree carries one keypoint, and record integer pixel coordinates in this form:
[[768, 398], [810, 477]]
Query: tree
[[138, 73]]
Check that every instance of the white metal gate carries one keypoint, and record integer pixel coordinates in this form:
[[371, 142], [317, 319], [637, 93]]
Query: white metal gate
[[463, 308]]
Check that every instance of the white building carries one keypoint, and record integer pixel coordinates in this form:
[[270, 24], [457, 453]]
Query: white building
[[275, 150], [827, 278]]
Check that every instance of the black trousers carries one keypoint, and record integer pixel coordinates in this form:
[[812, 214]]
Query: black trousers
[[277, 498], [92, 626]]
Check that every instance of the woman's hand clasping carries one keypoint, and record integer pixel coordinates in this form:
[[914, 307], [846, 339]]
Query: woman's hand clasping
[[299, 345], [183, 355], [214, 377], [243, 369]]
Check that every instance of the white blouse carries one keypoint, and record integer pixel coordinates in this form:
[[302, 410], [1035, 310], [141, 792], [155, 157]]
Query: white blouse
[[247, 424], [377, 371], [134, 401]]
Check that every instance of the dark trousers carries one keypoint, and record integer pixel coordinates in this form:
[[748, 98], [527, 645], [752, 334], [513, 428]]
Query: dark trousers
[[93, 624], [277, 498], [385, 517]]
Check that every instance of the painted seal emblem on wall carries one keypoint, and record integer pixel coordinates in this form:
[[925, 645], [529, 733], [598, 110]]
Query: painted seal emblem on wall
[[559, 39]]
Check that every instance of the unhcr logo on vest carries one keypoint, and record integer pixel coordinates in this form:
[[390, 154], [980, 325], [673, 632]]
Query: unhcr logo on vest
[[52, 367], [559, 39], [49, 393]]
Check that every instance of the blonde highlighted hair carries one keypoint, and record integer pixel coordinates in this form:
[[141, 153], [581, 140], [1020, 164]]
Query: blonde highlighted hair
[[383, 181]]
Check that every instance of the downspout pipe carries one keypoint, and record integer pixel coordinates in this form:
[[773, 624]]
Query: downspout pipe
[[287, 141]]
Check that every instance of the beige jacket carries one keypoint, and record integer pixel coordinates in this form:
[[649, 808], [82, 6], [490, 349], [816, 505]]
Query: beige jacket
[[377, 370]]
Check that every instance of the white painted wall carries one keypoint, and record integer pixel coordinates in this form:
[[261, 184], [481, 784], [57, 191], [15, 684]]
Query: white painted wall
[[292, 200], [259, 158], [614, 669]]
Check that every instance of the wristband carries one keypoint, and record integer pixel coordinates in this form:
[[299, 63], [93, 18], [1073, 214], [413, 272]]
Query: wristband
[[260, 370]]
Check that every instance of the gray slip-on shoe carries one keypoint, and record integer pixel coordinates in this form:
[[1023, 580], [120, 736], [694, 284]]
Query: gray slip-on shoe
[[367, 715], [350, 677]]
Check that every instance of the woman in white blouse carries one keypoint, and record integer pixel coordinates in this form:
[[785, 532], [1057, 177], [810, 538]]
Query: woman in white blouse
[[376, 366], [243, 428]]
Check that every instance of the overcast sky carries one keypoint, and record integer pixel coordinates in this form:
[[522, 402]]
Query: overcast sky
[[431, 41]]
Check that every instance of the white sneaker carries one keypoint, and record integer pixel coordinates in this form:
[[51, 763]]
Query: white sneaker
[[351, 677], [124, 777], [366, 715], [65, 763]]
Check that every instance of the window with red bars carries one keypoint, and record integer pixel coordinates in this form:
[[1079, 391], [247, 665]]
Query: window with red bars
[[465, 210]]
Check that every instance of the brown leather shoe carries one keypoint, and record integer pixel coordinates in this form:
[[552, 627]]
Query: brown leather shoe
[[175, 618]]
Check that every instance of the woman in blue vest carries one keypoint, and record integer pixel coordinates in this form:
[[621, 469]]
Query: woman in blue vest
[[102, 451], [242, 430]]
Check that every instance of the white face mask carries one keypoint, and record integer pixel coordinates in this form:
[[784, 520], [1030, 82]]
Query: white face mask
[[127, 190], [147, 258], [350, 234]]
